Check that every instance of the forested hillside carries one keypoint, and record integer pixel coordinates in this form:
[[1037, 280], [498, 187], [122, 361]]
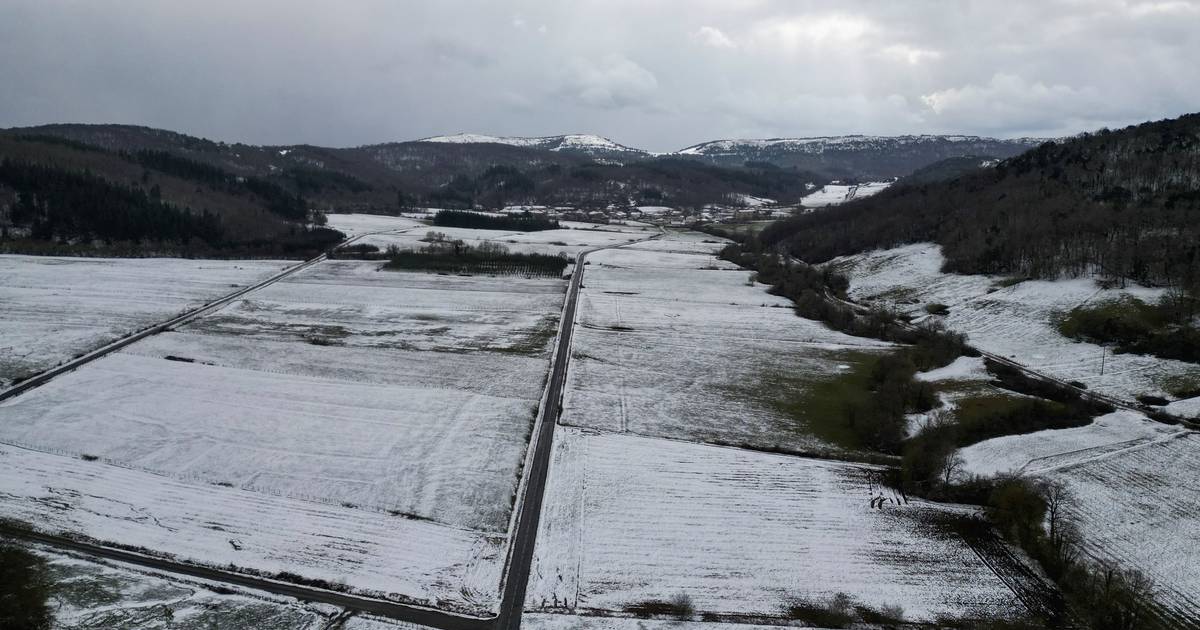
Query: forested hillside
[[858, 158], [389, 177], [62, 196], [1123, 203]]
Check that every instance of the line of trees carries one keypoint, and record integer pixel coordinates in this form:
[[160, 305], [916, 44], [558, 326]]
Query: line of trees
[[524, 222], [454, 256]]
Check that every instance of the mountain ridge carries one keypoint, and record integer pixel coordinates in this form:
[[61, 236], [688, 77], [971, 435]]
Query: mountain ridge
[[582, 143]]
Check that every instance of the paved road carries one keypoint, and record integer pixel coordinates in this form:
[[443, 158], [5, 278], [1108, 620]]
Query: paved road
[[512, 601]]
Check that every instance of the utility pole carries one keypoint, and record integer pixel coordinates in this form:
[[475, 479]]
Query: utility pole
[[1103, 351]]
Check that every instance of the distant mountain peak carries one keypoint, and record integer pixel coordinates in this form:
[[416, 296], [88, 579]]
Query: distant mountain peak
[[590, 144]]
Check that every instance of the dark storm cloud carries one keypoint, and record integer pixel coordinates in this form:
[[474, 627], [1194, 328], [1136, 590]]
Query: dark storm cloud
[[655, 73]]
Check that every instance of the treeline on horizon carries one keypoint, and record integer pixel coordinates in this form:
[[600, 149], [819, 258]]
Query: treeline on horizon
[[1124, 204]]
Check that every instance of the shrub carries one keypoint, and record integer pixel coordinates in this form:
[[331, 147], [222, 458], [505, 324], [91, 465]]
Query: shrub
[[841, 611], [1164, 330], [1017, 509], [679, 607], [1153, 401], [836, 612], [359, 250], [937, 309], [24, 590]]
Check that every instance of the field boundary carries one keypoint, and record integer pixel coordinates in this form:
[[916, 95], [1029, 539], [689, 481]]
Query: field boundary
[[178, 320]]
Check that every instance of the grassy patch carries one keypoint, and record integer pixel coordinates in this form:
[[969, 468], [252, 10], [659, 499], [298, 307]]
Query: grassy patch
[[817, 404], [979, 418], [979, 408], [1182, 386], [25, 586], [535, 342], [1165, 330], [822, 406]]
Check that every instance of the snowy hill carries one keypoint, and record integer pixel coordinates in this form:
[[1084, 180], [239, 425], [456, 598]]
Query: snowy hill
[[856, 157], [580, 144]]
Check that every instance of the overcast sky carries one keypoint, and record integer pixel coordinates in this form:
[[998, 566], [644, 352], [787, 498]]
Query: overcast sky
[[658, 74]]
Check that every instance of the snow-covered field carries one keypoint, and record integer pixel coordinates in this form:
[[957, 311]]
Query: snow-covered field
[[347, 423], [545, 621], [356, 224], [1132, 486], [1133, 494], [354, 303], [683, 243], [1141, 508], [89, 594], [1015, 321], [567, 240], [53, 309], [667, 353], [210, 524], [1033, 453], [678, 345], [1131, 477], [630, 518], [412, 450], [836, 194]]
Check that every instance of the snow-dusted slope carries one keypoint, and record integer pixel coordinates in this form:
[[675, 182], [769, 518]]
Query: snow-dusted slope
[[587, 144], [856, 157], [836, 194], [822, 144]]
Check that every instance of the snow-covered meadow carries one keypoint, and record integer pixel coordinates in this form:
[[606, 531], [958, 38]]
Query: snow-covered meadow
[[630, 518], [213, 525], [547, 621], [1016, 321], [350, 424], [567, 240], [1132, 490], [669, 353], [680, 345], [359, 224], [837, 194], [91, 594], [53, 309], [1139, 507], [1130, 476]]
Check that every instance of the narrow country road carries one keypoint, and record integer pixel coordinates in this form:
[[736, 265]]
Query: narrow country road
[[529, 508]]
